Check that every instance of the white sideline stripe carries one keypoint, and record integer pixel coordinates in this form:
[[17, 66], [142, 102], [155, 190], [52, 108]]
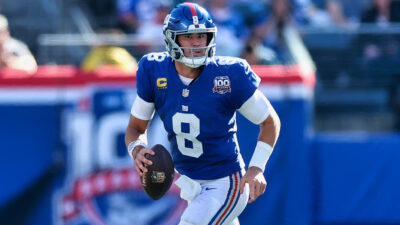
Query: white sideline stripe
[[41, 95], [290, 91], [46, 95]]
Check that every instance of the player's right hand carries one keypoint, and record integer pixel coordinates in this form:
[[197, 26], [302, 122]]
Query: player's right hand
[[141, 161], [255, 178]]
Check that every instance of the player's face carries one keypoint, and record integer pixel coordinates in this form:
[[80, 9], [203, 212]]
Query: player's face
[[188, 41]]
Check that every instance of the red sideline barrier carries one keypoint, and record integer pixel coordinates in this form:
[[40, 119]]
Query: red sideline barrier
[[48, 75]]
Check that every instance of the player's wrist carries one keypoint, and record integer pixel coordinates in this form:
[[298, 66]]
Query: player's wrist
[[136, 150], [134, 146], [255, 169], [261, 155]]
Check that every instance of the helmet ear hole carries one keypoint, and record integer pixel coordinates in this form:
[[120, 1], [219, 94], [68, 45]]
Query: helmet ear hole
[[175, 53]]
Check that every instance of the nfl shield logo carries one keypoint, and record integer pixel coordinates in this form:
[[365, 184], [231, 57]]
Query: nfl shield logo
[[222, 85], [185, 92]]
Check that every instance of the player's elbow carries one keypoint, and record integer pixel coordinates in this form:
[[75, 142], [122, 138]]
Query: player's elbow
[[131, 130], [272, 122], [128, 134], [276, 120], [135, 128]]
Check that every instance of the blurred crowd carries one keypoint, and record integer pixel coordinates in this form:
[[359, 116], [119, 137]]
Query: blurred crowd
[[250, 29], [14, 54], [254, 30]]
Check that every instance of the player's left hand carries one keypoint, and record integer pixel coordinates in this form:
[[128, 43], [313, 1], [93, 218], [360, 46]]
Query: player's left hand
[[257, 183]]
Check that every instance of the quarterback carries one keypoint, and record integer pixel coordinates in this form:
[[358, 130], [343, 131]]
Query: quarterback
[[197, 95]]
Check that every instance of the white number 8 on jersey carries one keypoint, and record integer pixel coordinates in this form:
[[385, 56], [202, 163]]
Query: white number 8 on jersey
[[194, 130]]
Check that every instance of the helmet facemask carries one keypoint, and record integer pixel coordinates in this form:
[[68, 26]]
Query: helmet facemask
[[177, 51], [189, 18]]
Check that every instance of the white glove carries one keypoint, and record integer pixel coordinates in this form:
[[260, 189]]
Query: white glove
[[189, 188]]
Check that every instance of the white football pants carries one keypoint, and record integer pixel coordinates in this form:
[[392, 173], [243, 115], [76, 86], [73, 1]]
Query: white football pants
[[218, 203]]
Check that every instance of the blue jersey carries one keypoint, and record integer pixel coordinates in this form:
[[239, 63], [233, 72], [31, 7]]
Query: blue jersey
[[200, 117]]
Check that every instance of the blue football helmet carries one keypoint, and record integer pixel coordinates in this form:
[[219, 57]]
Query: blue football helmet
[[189, 18]]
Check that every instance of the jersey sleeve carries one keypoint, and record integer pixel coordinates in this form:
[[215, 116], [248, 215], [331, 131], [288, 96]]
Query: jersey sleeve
[[141, 109], [244, 82], [257, 108], [143, 81]]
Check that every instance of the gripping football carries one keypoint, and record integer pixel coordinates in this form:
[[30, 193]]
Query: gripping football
[[158, 179]]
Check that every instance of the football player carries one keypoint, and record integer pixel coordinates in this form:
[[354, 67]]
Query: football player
[[197, 95]]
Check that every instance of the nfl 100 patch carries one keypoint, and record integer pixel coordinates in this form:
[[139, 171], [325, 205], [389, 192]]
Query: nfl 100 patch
[[222, 85]]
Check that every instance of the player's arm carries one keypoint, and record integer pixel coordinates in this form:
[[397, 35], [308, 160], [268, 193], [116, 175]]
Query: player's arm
[[259, 110], [136, 133]]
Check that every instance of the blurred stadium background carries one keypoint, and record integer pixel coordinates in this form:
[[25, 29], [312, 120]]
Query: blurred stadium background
[[329, 67]]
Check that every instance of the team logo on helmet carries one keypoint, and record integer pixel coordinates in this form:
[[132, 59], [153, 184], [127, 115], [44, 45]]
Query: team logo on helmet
[[166, 21]]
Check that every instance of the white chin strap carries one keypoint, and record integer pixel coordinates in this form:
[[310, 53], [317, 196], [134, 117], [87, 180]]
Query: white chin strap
[[193, 62]]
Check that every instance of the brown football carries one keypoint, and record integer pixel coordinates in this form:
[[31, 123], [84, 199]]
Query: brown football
[[158, 179]]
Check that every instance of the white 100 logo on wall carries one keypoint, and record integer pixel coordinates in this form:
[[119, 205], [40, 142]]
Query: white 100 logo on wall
[[93, 145]]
